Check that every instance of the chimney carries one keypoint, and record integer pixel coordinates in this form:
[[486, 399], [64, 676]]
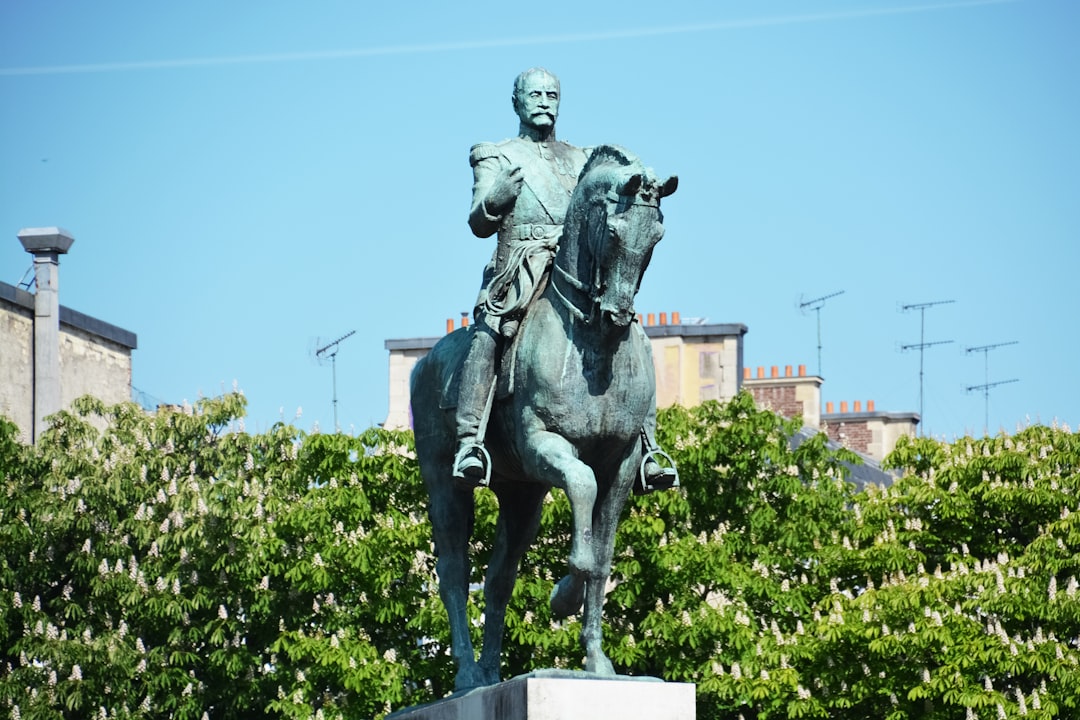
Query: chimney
[[46, 245]]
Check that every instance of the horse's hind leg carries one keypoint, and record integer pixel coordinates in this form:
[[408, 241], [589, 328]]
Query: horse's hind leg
[[520, 504], [451, 512]]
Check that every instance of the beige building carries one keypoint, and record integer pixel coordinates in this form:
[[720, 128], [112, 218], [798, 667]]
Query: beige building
[[51, 354], [699, 361], [693, 362]]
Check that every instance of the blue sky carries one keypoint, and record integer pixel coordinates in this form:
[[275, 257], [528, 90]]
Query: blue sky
[[248, 180]]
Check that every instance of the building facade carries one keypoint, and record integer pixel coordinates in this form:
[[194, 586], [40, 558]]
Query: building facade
[[693, 363], [51, 354], [696, 362]]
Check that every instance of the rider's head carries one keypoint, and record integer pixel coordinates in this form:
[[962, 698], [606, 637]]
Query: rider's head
[[536, 99]]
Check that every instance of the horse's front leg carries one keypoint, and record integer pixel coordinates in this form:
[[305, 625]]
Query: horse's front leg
[[550, 458], [606, 518]]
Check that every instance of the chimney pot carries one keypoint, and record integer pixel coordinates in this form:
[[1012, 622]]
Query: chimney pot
[[869, 406], [787, 371], [663, 318], [746, 373], [802, 371], [675, 319], [829, 407], [858, 406], [449, 325], [464, 320], [761, 371], [44, 240], [650, 319], [774, 371], [843, 406]]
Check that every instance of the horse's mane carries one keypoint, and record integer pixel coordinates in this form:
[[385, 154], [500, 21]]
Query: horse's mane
[[608, 154]]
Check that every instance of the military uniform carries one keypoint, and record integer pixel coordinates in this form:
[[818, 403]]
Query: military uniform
[[528, 234], [529, 231]]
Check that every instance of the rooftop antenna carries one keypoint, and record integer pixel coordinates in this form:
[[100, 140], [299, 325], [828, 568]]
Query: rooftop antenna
[[816, 304], [331, 350], [922, 345], [987, 385]]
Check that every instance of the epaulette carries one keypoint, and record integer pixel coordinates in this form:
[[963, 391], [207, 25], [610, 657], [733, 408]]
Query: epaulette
[[482, 151]]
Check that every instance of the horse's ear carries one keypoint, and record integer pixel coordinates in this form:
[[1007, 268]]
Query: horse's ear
[[670, 186], [631, 186]]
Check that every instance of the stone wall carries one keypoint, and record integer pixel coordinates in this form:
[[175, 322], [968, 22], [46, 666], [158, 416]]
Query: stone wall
[[870, 432], [788, 395], [16, 357], [95, 358]]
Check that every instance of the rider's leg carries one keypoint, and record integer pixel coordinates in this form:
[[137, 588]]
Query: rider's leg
[[477, 376], [655, 475]]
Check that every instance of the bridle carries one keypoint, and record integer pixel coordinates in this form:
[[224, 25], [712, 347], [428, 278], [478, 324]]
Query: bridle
[[592, 292]]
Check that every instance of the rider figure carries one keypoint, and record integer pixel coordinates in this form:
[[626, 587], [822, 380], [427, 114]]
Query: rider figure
[[521, 190]]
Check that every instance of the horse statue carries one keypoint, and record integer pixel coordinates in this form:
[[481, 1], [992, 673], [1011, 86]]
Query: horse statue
[[583, 385]]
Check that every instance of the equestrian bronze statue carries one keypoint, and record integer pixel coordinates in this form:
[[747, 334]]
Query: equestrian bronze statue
[[571, 409]]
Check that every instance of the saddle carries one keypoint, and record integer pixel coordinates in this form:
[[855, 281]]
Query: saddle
[[505, 354]]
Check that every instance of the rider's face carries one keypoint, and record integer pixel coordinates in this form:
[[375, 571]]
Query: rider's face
[[537, 103]]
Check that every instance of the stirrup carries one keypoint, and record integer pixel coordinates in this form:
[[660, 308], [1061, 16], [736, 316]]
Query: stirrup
[[668, 477], [485, 460]]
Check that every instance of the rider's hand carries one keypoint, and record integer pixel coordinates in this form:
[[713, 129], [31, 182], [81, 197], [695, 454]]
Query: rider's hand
[[504, 190]]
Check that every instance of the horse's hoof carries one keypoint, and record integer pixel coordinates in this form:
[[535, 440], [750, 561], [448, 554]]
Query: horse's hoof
[[600, 664], [567, 596], [473, 678]]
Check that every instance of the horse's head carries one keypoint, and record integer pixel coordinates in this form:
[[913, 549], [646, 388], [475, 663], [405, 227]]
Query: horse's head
[[613, 223]]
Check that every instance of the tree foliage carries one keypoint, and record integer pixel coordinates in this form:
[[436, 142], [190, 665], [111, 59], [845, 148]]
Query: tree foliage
[[174, 565]]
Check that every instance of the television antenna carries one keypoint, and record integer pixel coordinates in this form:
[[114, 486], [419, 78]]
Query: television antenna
[[330, 350], [987, 385], [922, 345], [816, 304]]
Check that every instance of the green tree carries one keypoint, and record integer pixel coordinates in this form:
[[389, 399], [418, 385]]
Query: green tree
[[173, 565]]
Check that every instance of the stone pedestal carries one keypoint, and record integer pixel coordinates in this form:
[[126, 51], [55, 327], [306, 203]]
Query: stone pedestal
[[563, 696]]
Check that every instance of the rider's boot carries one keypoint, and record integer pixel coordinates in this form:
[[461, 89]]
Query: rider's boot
[[471, 462], [655, 476]]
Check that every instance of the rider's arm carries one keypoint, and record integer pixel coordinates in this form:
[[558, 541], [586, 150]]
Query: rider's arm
[[486, 163]]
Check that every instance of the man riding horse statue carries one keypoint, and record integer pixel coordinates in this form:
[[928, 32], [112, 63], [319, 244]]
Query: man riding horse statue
[[521, 188], [574, 403]]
